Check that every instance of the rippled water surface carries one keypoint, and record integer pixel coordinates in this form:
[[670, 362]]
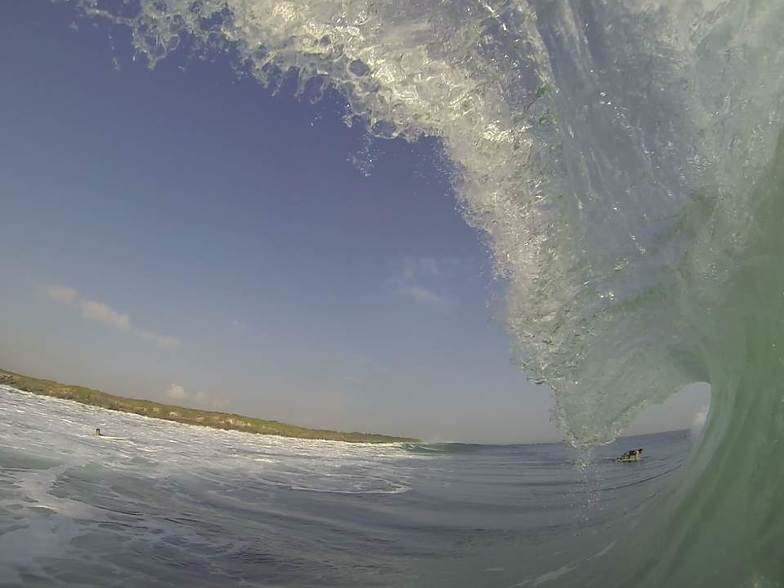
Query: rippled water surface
[[159, 503]]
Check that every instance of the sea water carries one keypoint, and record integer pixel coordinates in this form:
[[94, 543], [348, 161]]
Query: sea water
[[158, 503]]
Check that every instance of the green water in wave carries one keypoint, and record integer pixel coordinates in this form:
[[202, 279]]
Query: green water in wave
[[722, 525], [725, 526]]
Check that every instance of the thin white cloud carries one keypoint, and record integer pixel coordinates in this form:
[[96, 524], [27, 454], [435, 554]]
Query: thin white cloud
[[177, 393], [62, 294], [420, 294], [166, 342], [206, 401], [427, 266], [103, 313], [415, 280], [98, 311], [161, 341]]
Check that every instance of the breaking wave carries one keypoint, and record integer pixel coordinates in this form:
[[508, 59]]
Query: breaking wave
[[622, 159]]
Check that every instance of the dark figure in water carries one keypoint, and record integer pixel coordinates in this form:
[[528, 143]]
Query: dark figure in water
[[631, 455], [98, 432]]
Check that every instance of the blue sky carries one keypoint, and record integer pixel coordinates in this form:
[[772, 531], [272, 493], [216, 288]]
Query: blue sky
[[183, 234]]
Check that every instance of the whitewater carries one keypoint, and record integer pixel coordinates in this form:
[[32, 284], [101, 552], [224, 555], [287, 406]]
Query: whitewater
[[623, 162], [158, 503]]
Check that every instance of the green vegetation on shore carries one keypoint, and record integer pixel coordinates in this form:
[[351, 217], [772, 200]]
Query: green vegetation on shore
[[216, 420]]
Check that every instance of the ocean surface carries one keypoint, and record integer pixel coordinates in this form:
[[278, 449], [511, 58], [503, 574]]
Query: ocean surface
[[157, 503]]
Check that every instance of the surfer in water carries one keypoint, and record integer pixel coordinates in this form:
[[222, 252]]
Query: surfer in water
[[98, 432], [631, 455]]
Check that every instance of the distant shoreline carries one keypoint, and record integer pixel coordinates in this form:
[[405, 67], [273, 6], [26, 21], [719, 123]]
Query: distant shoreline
[[180, 414]]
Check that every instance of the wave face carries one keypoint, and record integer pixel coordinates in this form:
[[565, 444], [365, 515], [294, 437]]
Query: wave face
[[621, 159]]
